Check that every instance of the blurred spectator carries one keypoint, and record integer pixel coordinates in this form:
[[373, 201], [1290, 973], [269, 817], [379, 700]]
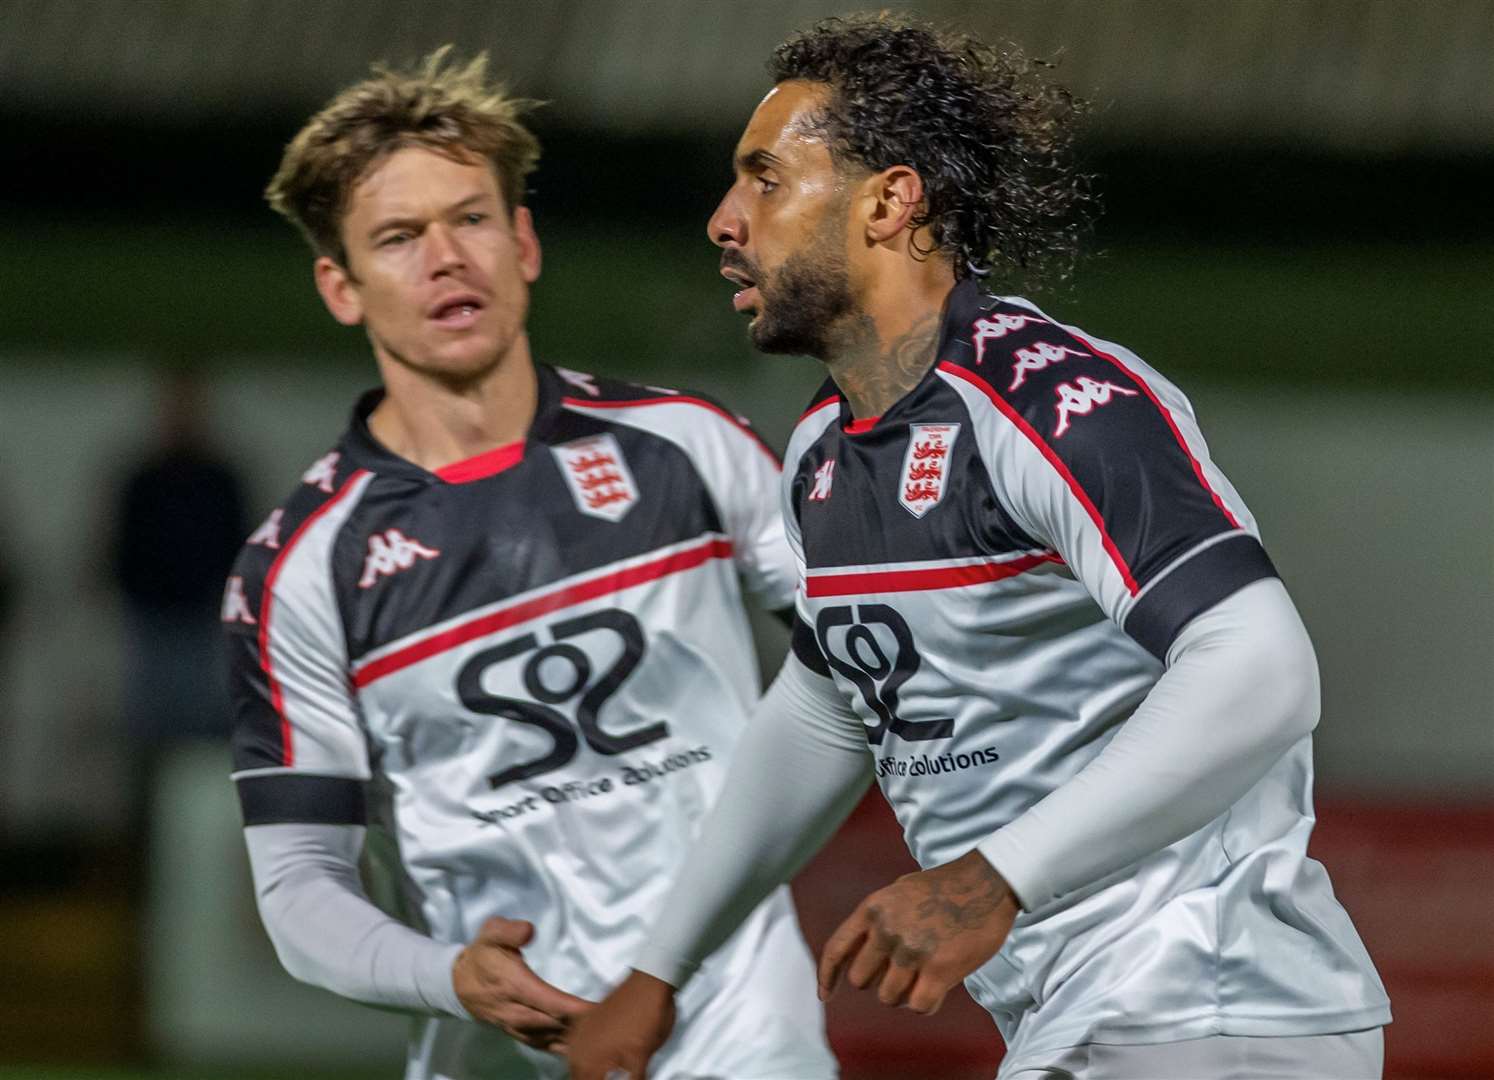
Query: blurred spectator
[[178, 525]]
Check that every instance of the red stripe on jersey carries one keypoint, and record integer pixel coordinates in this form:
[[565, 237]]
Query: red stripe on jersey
[[857, 427], [479, 466], [1166, 415], [582, 403], [1053, 459], [564, 597], [944, 577], [288, 756]]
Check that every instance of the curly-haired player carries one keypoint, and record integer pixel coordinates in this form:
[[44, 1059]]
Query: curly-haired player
[[1032, 609]]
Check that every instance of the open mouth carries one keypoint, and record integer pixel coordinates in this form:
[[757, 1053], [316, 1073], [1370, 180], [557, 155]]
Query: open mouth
[[456, 312], [746, 297]]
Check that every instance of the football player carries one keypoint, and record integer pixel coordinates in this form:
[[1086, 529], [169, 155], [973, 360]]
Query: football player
[[1034, 611], [500, 622]]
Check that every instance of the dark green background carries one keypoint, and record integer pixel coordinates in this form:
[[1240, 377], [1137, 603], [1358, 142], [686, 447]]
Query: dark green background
[[1275, 262]]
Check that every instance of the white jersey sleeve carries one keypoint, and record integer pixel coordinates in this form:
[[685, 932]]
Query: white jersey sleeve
[[300, 753], [1241, 688], [327, 932], [1099, 459]]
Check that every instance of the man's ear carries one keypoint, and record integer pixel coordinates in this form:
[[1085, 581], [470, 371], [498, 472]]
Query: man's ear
[[529, 245], [338, 290], [896, 193]]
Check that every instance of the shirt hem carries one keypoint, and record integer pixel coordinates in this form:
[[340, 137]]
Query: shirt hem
[[1199, 1027]]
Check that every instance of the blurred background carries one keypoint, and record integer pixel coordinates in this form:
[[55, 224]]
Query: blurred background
[[1299, 229]]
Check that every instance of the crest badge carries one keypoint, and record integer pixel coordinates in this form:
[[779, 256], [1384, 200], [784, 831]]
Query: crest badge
[[926, 466], [598, 476]]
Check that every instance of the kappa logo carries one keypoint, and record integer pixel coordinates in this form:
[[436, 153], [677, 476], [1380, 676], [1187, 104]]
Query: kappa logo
[[824, 476], [268, 533], [598, 476], [236, 604], [1082, 397], [322, 472], [580, 380], [926, 466], [998, 325], [390, 552], [1037, 358]]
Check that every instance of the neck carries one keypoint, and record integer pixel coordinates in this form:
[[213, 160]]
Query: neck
[[435, 423], [887, 349]]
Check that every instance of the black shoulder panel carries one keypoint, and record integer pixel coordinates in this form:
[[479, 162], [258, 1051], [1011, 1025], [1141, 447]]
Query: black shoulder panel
[[258, 738], [1101, 426]]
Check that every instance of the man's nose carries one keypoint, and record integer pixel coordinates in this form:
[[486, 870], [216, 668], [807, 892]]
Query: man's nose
[[727, 225], [442, 251]]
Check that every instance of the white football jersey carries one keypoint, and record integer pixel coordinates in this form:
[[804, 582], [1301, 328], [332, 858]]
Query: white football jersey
[[530, 669], [993, 572]]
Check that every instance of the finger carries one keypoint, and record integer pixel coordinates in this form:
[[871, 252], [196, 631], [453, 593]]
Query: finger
[[538, 1042], [869, 962], [846, 939], [520, 1021], [896, 983], [506, 933], [527, 988], [927, 995]]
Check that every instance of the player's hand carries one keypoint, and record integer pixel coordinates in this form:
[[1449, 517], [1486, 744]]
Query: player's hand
[[919, 937], [615, 1040], [497, 987]]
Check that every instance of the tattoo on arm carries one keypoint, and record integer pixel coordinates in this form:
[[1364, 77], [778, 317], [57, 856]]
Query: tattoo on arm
[[968, 902]]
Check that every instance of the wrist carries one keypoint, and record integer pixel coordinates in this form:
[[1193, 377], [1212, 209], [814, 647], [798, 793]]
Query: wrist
[[1007, 859], [437, 979], [641, 982], [664, 965]]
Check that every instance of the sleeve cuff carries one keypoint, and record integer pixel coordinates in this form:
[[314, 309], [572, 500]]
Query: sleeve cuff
[[664, 965], [1018, 867], [433, 971]]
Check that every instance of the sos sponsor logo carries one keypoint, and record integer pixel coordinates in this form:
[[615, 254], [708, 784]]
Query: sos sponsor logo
[[871, 646]]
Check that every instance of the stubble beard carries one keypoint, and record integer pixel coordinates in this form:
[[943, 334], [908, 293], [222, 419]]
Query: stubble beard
[[808, 302], [451, 374]]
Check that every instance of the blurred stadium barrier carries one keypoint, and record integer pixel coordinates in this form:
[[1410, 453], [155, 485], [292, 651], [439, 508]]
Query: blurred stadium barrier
[[1415, 876], [1397, 74]]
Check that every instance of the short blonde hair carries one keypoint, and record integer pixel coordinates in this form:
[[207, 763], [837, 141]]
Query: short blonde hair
[[447, 107]]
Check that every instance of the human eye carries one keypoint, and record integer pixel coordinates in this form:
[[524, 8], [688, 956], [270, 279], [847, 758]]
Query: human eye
[[764, 185], [395, 239], [474, 217]]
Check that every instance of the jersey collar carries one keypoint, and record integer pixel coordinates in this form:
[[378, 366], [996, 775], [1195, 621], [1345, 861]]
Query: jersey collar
[[965, 303], [366, 452]]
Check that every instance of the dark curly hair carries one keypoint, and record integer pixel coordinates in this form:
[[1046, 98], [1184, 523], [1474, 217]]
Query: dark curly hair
[[989, 133]]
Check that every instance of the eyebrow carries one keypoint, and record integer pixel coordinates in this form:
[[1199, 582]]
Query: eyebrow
[[754, 160], [454, 208]]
